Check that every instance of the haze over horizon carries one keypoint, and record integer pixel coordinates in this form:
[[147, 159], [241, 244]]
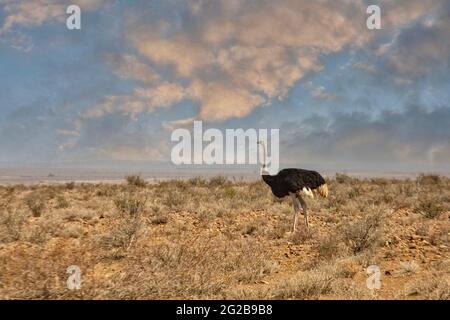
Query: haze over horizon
[[109, 95]]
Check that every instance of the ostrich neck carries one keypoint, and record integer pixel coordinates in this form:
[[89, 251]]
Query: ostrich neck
[[264, 156], [264, 165]]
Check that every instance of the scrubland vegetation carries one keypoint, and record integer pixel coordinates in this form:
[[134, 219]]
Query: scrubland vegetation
[[218, 239]]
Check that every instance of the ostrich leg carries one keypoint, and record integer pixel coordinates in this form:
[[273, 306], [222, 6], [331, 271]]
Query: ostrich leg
[[296, 209], [303, 203]]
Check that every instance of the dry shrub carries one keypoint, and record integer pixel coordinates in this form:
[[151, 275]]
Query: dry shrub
[[71, 231], [311, 284], [354, 192], [429, 208], [240, 293], [42, 230], [229, 192], [42, 274], [306, 285], [104, 190], [35, 202], [440, 236], [342, 289], [130, 203], [173, 199], [362, 233], [435, 286], [386, 197], [257, 226], [122, 235], [408, 188], [70, 185], [135, 181], [250, 229], [219, 181], [381, 181], [328, 247], [428, 179], [197, 181], [11, 224], [159, 219], [301, 235], [279, 231], [127, 225], [342, 178], [62, 203], [432, 288], [337, 199], [409, 267]]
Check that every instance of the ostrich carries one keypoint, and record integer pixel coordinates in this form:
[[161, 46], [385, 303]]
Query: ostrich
[[294, 182]]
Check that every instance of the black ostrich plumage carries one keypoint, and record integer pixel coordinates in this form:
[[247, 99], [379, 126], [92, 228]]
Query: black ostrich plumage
[[293, 180]]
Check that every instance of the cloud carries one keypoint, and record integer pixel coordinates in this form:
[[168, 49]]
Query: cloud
[[128, 105], [128, 67], [414, 136], [219, 101], [129, 152], [364, 67], [64, 132], [163, 95], [25, 13], [420, 47], [115, 136], [403, 12], [178, 52], [232, 57], [322, 94], [141, 100], [175, 124], [18, 41]]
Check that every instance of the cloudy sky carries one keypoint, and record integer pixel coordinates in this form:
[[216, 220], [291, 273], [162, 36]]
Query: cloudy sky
[[343, 96]]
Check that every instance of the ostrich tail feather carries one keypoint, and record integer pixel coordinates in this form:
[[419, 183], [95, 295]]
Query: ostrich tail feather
[[323, 190]]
